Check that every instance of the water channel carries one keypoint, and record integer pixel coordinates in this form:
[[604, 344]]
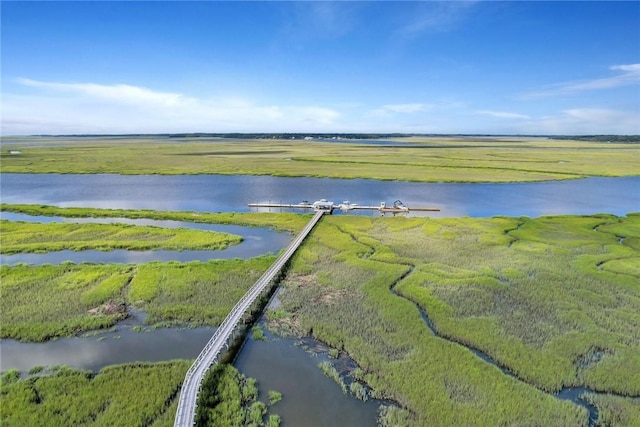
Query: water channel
[[213, 193], [218, 193], [256, 241], [572, 394]]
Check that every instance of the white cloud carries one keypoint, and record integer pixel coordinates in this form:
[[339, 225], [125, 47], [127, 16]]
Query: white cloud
[[318, 115], [96, 108], [393, 109], [68, 108], [628, 75], [405, 108], [502, 114], [309, 21], [632, 68], [429, 17], [118, 92], [602, 116], [585, 121]]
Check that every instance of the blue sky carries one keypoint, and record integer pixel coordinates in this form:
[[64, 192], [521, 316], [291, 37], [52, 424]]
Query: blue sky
[[507, 67]]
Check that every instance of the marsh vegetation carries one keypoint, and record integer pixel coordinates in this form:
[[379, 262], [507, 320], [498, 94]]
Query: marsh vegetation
[[553, 300], [134, 394], [48, 301], [420, 159], [27, 237], [281, 221], [229, 399], [43, 302]]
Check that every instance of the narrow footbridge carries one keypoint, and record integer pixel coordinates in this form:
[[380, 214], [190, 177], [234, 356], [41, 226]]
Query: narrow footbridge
[[186, 414]]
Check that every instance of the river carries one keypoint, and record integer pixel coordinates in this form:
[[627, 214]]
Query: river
[[219, 193]]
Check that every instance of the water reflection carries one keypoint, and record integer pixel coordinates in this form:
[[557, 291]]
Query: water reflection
[[119, 256], [217, 193], [94, 353], [309, 397], [257, 241]]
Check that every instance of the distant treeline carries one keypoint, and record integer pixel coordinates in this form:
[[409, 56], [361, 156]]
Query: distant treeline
[[291, 135], [248, 135], [594, 138], [603, 138]]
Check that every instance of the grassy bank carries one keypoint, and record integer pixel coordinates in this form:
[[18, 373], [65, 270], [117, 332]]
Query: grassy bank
[[423, 159], [139, 394], [28, 237], [555, 300], [43, 302], [616, 411], [280, 221], [229, 399]]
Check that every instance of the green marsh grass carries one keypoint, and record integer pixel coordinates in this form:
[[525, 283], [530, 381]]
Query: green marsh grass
[[331, 372], [555, 300], [26, 237], [257, 333], [39, 303], [274, 397], [280, 221], [194, 292], [614, 410], [533, 294], [358, 391], [43, 302], [424, 159], [49, 301], [133, 395], [229, 399], [273, 420]]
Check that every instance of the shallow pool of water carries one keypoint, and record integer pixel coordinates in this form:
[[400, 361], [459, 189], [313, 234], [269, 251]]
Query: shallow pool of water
[[309, 397], [121, 344]]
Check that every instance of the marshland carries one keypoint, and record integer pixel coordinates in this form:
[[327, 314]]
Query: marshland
[[481, 315], [421, 159]]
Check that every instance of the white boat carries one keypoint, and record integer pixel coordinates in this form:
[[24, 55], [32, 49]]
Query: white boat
[[347, 205]]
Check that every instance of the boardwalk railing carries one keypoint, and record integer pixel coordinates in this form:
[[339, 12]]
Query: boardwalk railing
[[186, 414]]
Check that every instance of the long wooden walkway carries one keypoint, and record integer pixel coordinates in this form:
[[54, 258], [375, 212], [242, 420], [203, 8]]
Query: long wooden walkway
[[186, 414]]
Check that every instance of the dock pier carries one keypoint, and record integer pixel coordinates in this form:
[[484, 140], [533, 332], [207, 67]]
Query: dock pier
[[325, 205], [188, 399]]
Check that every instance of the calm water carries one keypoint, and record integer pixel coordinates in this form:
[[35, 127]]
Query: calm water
[[257, 241], [277, 363], [123, 345], [309, 397], [216, 193]]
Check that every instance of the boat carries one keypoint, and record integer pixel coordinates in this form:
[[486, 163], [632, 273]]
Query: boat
[[347, 205]]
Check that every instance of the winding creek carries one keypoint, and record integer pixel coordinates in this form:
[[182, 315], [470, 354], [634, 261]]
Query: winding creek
[[256, 241], [575, 395], [572, 394], [278, 363]]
